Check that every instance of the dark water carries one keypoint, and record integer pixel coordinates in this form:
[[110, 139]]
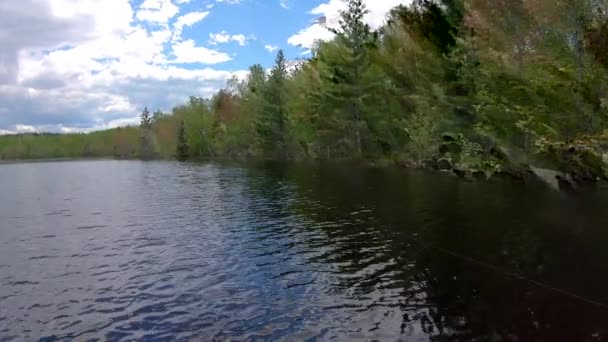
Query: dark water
[[112, 250]]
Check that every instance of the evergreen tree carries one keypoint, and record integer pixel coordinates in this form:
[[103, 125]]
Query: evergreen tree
[[145, 118], [256, 80], [344, 70], [147, 149], [271, 125], [182, 143]]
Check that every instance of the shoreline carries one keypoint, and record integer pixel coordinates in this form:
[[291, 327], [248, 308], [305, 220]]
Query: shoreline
[[523, 174]]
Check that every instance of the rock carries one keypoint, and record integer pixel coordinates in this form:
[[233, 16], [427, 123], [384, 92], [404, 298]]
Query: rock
[[444, 164], [549, 177]]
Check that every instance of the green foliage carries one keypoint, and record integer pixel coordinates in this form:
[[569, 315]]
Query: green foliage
[[513, 82], [147, 144], [422, 131], [272, 114], [158, 115], [145, 118], [435, 22], [182, 143]]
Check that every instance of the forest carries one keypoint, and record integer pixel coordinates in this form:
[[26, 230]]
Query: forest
[[473, 86]]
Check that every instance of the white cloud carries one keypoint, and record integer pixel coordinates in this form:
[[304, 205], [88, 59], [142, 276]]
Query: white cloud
[[307, 37], [79, 65], [159, 11], [239, 38], [284, 4], [224, 37], [330, 11], [186, 21], [109, 16], [231, 2], [24, 129], [379, 9], [271, 48], [188, 52]]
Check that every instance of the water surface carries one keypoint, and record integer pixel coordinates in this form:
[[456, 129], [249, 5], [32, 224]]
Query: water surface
[[127, 250]]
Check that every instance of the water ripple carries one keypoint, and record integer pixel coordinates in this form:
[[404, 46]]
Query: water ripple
[[172, 251], [91, 227]]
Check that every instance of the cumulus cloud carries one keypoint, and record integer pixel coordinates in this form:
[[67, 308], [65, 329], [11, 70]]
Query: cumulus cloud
[[159, 11], [329, 12], [26, 24], [224, 37], [78, 65], [187, 20], [188, 52], [271, 48]]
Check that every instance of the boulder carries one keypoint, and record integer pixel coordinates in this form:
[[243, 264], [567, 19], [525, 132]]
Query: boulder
[[549, 177], [444, 164]]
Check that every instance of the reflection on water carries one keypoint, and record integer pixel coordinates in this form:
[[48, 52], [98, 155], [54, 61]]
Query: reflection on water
[[112, 250]]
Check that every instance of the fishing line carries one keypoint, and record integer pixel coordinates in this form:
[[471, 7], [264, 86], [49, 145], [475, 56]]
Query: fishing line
[[507, 273]]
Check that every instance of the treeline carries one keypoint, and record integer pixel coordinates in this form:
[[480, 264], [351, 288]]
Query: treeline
[[119, 142], [463, 84]]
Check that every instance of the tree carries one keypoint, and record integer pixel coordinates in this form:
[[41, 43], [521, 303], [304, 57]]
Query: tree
[[158, 115], [145, 119], [345, 68], [147, 139], [182, 143], [271, 124], [435, 22]]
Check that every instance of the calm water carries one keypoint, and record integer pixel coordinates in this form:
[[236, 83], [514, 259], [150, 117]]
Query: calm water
[[124, 250]]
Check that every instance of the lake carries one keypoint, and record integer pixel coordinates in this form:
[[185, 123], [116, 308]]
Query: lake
[[132, 250]]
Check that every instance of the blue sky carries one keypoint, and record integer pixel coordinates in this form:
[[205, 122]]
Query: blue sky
[[262, 22], [81, 65], [267, 21]]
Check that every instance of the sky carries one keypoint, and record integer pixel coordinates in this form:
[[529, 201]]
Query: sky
[[83, 65]]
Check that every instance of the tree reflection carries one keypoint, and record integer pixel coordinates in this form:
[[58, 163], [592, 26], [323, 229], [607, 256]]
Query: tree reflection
[[460, 260]]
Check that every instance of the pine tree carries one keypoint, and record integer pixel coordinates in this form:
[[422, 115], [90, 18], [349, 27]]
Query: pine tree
[[271, 123], [344, 68], [354, 33], [146, 134], [145, 118], [182, 143]]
